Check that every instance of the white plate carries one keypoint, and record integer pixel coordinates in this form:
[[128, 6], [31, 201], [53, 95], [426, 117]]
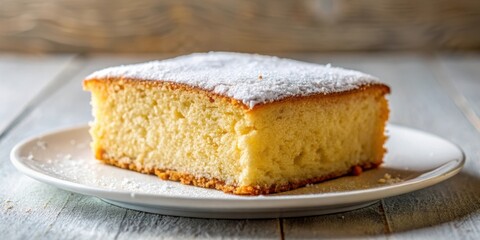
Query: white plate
[[415, 160]]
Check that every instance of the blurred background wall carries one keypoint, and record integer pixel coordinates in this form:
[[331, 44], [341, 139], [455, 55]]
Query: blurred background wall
[[177, 26]]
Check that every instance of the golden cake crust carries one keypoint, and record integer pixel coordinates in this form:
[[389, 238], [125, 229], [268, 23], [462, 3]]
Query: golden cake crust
[[214, 96]]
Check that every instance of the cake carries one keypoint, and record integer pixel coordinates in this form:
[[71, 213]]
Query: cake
[[245, 124]]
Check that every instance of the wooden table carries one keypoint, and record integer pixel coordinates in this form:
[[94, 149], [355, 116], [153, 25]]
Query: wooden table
[[438, 93]]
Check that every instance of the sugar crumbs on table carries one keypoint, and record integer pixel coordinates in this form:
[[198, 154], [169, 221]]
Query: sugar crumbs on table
[[8, 205]]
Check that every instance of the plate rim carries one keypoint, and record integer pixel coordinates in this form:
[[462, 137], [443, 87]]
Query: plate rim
[[258, 202]]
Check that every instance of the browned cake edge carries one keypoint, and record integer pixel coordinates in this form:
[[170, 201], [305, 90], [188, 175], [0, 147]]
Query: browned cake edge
[[213, 183], [88, 84]]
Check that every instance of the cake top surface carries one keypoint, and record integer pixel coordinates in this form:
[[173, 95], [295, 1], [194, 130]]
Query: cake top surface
[[250, 78]]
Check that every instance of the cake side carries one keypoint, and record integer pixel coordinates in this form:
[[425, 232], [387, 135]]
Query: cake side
[[156, 127], [301, 138]]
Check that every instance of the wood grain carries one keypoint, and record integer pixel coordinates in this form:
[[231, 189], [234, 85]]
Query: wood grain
[[33, 210], [463, 71], [364, 222], [21, 79], [251, 26]]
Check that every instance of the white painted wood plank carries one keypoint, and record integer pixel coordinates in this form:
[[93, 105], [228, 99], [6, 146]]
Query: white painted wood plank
[[22, 78], [461, 73], [138, 225], [450, 210], [36, 210], [361, 223]]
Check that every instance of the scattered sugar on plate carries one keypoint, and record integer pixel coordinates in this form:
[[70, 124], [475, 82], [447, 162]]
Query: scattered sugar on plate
[[81, 145], [42, 144], [126, 181], [78, 145]]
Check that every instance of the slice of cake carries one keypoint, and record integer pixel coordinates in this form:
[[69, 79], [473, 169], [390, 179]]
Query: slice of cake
[[240, 123]]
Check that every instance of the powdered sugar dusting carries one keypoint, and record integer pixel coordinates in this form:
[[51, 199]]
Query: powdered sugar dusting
[[250, 78]]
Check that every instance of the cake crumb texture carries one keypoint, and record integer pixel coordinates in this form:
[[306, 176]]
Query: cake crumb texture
[[198, 137]]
